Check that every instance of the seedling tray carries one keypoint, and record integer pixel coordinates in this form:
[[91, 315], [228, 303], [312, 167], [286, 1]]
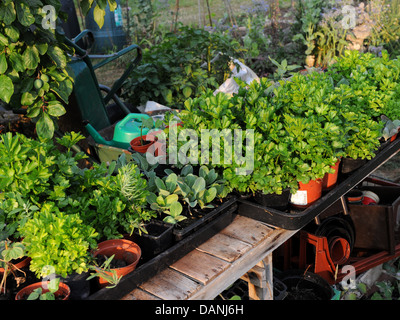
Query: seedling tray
[[296, 219], [180, 234], [149, 269]]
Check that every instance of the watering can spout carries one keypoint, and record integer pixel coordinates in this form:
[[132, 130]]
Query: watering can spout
[[95, 135]]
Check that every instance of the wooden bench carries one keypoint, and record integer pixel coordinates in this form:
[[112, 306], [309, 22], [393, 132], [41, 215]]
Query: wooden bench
[[241, 250]]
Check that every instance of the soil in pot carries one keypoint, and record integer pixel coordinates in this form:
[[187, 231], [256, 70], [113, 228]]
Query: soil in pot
[[140, 144], [62, 293], [126, 256], [18, 263], [13, 285], [303, 285], [158, 238], [79, 285], [348, 165]]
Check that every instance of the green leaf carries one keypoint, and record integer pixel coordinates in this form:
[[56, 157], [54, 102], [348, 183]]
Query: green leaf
[[12, 33], [17, 62], [57, 55], [6, 88], [27, 99], [33, 112], [3, 63], [14, 251], [210, 194], [199, 184], [171, 199], [170, 182], [8, 13], [25, 17], [187, 92], [85, 6], [45, 127], [31, 57], [55, 109], [176, 209]]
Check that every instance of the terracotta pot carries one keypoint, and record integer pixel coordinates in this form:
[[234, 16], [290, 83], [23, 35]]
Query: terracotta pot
[[23, 263], [63, 290], [354, 196], [330, 179], [136, 144], [307, 194], [123, 250]]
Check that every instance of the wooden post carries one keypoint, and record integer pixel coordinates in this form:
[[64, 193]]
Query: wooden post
[[260, 280]]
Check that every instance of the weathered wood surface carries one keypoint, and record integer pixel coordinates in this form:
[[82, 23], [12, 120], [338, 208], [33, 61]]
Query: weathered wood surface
[[219, 262]]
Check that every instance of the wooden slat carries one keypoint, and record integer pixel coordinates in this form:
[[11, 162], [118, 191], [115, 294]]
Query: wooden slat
[[200, 266], [244, 263], [247, 230], [224, 247], [170, 285], [139, 294]]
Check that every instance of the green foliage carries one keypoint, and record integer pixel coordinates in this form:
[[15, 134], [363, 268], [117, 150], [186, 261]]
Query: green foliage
[[105, 272], [33, 172], [33, 60], [52, 286], [54, 238], [172, 70], [186, 188]]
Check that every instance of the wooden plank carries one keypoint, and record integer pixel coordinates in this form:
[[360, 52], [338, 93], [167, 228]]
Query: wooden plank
[[224, 247], [139, 294], [240, 266], [170, 285], [200, 266], [260, 280], [247, 230]]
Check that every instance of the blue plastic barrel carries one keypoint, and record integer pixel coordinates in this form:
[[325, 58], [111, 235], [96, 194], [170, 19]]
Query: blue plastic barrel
[[111, 37]]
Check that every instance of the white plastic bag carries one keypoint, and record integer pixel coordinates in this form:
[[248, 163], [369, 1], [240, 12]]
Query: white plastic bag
[[245, 74]]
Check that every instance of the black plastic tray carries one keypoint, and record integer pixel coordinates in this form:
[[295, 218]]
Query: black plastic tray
[[295, 219], [180, 234], [154, 266]]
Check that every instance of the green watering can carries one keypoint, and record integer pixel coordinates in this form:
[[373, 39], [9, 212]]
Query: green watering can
[[124, 132]]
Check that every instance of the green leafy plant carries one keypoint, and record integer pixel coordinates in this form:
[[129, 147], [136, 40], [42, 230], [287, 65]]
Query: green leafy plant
[[33, 60], [172, 70], [52, 286], [166, 200], [282, 68], [105, 272], [9, 251], [53, 238]]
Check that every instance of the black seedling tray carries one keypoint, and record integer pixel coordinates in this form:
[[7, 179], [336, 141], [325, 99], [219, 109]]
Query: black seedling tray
[[149, 269], [180, 234], [296, 219]]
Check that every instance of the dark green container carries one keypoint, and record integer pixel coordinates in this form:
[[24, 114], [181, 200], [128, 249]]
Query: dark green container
[[111, 37]]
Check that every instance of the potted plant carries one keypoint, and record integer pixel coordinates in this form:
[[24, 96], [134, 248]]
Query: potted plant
[[187, 200], [12, 259], [124, 253], [48, 290], [53, 238], [143, 142]]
